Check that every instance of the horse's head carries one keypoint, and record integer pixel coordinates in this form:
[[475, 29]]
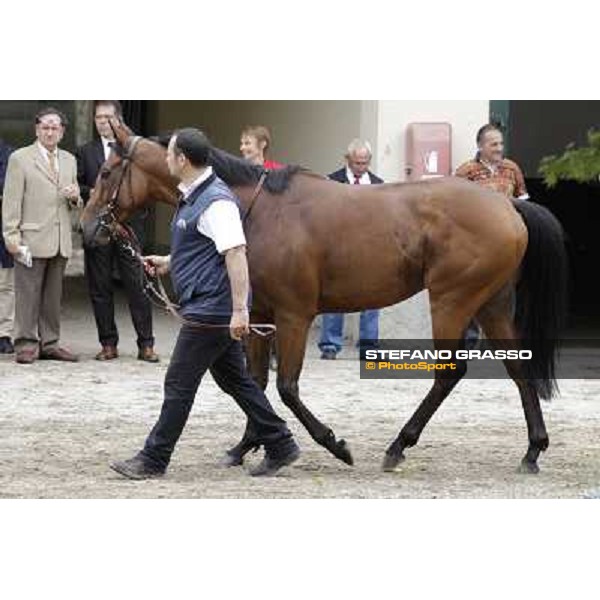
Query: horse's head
[[123, 185], [103, 209]]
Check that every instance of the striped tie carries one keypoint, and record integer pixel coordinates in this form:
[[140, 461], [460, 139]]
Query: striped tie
[[52, 164]]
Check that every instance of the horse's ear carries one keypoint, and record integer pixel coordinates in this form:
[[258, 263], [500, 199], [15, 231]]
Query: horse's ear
[[113, 125], [121, 131]]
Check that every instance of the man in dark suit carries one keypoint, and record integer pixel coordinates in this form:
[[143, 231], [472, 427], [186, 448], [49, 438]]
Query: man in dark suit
[[358, 160], [7, 292], [356, 172], [99, 261]]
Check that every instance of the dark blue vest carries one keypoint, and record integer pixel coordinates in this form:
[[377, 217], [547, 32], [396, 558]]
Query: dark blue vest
[[198, 271]]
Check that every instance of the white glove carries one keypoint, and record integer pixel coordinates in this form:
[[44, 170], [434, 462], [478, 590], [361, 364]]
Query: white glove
[[23, 255]]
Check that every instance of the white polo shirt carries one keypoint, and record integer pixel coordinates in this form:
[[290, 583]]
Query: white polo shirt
[[221, 221]]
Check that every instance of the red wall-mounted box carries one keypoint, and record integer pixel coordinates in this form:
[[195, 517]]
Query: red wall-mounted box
[[428, 150]]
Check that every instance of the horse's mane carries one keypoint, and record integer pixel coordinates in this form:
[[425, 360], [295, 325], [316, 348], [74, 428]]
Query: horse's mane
[[237, 171]]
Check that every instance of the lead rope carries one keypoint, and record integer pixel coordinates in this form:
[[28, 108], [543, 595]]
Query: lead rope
[[124, 239]]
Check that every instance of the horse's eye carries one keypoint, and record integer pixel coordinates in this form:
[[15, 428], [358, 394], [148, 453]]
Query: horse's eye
[[104, 174]]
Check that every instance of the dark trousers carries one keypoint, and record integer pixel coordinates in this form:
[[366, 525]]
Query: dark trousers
[[98, 267], [197, 351]]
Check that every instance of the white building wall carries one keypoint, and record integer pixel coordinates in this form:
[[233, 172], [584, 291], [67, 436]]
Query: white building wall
[[465, 117]]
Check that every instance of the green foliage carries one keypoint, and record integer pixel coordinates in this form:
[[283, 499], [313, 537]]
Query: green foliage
[[577, 164]]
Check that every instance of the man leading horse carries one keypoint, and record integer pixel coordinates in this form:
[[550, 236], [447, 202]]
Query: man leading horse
[[210, 274]]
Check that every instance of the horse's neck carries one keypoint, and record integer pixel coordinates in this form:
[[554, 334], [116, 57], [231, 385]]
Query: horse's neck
[[244, 194], [165, 191], [169, 195], [161, 186]]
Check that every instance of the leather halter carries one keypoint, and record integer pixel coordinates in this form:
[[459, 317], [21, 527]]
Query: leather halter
[[108, 219]]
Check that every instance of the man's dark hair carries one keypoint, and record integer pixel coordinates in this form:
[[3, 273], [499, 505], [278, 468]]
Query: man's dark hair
[[51, 111], [114, 103], [483, 130], [194, 145]]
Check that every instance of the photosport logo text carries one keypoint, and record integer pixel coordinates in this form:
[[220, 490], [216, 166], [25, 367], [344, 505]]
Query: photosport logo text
[[420, 362]]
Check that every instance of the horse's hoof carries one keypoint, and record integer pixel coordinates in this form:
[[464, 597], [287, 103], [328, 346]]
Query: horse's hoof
[[230, 459], [528, 467], [391, 461], [342, 452], [234, 457]]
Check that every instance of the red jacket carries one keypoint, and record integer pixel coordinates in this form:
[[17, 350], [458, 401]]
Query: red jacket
[[272, 165]]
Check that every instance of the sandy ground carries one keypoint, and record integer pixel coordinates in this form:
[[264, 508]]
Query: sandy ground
[[60, 424]]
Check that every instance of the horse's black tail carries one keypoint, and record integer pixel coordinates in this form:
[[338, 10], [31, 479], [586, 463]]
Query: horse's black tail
[[542, 295]]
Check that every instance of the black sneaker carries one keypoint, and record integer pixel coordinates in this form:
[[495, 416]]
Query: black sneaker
[[136, 468], [328, 355], [271, 464]]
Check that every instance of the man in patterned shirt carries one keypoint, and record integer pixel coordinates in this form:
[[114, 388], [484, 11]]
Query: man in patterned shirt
[[491, 169]]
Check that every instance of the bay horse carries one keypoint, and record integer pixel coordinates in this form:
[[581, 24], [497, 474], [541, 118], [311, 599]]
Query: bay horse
[[317, 246]]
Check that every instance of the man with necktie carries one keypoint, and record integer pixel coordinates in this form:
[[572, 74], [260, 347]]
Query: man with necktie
[[40, 190], [99, 261], [356, 172]]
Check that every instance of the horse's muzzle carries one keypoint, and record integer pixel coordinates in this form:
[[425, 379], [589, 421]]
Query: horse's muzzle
[[94, 233]]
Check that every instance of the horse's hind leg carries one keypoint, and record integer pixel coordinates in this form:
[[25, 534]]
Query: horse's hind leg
[[257, 355], [292, 332], [497, 322], [448, 326], [410, 433]]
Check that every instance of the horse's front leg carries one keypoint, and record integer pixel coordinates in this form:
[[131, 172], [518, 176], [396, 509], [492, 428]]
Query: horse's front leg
[[257, 357], [292, 333]]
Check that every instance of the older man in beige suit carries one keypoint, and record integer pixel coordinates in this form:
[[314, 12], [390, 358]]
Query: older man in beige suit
[[39, 191]]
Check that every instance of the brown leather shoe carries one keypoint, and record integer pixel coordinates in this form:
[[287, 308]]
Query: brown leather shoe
[[107, 353], [147, 354], [27, 356], [58, 353]]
